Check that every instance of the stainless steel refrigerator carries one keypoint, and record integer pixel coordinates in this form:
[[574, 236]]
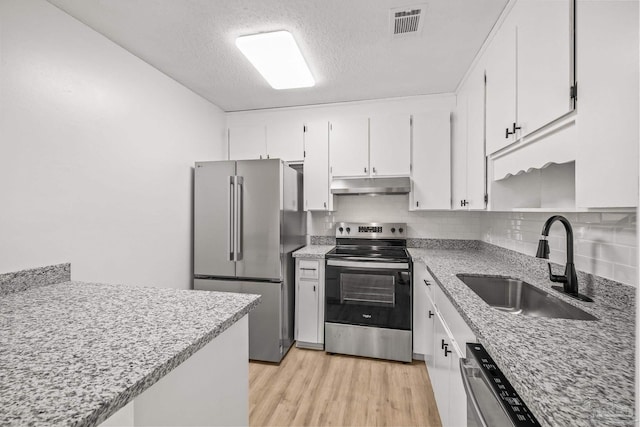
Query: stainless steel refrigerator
[[248, 219]]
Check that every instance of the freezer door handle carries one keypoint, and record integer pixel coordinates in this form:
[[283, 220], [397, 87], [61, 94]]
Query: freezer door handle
[[238, 211], [230, 219]]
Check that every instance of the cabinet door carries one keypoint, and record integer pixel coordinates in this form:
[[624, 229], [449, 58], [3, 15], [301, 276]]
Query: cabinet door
[[307, 311], [544, 29], [457, 412], [247, 142], [608, 107], [475, 167], [389, 145], [431, 161], [349, 147], [419, 308], [285, 141], [459, 151], [429, 333], [439, 375], [501, 86], [316, 166]]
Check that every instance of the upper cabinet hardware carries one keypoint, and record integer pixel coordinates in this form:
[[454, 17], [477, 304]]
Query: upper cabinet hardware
[[426, 282], [464, 202], [507, 132]]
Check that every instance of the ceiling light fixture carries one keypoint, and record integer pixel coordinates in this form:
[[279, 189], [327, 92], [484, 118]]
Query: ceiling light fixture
[[277, 57]]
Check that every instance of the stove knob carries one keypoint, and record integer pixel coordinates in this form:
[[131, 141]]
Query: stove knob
[[400, 230], [393, 230], [341, 230], [348, 230]]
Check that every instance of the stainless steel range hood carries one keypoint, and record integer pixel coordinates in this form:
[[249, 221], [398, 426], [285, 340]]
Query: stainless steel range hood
[[354, 186]]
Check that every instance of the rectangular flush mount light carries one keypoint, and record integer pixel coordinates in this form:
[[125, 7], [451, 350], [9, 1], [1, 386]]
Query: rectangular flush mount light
[[277, 57]]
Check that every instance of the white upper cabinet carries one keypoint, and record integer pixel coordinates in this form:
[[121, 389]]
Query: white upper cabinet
[[316, 167], [247, 142], [529, 70], [545, 49], [501, 87], [285, 141], [608, 110], [349, 147], [468, 147], [431, 161], [389, 144]]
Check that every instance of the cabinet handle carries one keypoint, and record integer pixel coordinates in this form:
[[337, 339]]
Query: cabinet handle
[[430, 314], [307, 269], [268, 155], [446, 351], [314, 288], [325, 204], [515, 128], [426, 282], [374, 170], [464, 202], [417, 204], [443, 345], [365, 170]]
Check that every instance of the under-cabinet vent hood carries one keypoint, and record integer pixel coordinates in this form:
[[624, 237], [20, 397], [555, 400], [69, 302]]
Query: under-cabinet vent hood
[[371, 186]]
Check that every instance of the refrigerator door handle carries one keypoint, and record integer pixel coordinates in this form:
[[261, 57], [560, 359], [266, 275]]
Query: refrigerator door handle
[[230, 219], [239, 214]]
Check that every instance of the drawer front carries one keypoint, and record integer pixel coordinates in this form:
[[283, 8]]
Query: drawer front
[[430, 284], [461, 332], [308, 269]]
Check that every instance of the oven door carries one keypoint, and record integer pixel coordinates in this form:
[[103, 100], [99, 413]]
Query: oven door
[[368, 293]]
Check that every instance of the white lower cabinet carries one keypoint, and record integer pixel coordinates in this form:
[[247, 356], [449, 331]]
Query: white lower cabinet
[[440, 334], [309, 312]]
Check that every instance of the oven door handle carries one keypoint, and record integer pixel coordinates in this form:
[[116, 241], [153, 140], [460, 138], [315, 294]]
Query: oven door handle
[[369, 265]]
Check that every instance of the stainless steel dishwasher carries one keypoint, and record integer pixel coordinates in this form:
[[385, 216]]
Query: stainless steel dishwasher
[[491, 400]]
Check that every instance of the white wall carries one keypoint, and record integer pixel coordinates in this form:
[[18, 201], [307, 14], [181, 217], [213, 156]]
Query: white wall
[[96, 150]]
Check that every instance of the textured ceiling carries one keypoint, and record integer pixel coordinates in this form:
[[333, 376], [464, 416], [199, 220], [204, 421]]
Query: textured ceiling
[[347, 44]]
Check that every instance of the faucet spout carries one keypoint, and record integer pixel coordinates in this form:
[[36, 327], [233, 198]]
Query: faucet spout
[[570, 278]]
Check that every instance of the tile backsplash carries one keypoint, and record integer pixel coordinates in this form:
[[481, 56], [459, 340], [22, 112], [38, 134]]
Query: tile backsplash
[[605, 242]]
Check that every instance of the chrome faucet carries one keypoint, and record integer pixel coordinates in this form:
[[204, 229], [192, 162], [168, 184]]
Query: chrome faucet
[[570, 278]]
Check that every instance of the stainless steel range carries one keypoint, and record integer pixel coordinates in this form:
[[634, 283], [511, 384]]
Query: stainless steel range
[[368, 292]]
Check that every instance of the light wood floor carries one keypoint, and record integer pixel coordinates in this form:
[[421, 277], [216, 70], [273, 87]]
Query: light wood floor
[[312, 388]]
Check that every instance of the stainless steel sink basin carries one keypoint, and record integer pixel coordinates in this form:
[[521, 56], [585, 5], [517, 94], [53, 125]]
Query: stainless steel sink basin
[[518, 297]]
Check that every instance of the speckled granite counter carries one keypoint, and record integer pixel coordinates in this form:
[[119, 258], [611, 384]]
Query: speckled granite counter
[[578, 373], [74, 353], [313, 251]]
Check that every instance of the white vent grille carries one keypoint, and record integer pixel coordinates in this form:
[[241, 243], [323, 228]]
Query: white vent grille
[[407, 21]]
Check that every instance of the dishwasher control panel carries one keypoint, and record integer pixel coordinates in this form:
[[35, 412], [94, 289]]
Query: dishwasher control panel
[[501, 388]]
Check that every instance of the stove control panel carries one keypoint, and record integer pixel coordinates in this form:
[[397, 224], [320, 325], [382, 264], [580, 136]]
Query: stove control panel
[[375, 230]]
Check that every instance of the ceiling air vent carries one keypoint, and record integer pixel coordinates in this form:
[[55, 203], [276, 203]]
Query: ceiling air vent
[[406, 21]]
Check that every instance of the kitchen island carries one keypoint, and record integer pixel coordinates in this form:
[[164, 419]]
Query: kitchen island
[[569, 372], [74, 353]]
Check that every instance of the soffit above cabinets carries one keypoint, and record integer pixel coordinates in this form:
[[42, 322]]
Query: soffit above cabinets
[[347, 45]]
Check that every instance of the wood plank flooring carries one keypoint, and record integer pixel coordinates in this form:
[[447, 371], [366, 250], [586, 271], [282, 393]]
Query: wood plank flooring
[[312, 388]]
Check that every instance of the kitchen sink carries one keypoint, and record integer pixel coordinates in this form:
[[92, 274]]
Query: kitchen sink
[[518, 297]]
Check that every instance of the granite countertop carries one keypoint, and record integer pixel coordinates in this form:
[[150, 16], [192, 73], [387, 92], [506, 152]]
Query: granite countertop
[[73, 353], [569, 372], [313, 251]]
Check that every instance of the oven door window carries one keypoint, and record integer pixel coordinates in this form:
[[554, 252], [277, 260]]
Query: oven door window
[[358, 288], [358, 296]]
